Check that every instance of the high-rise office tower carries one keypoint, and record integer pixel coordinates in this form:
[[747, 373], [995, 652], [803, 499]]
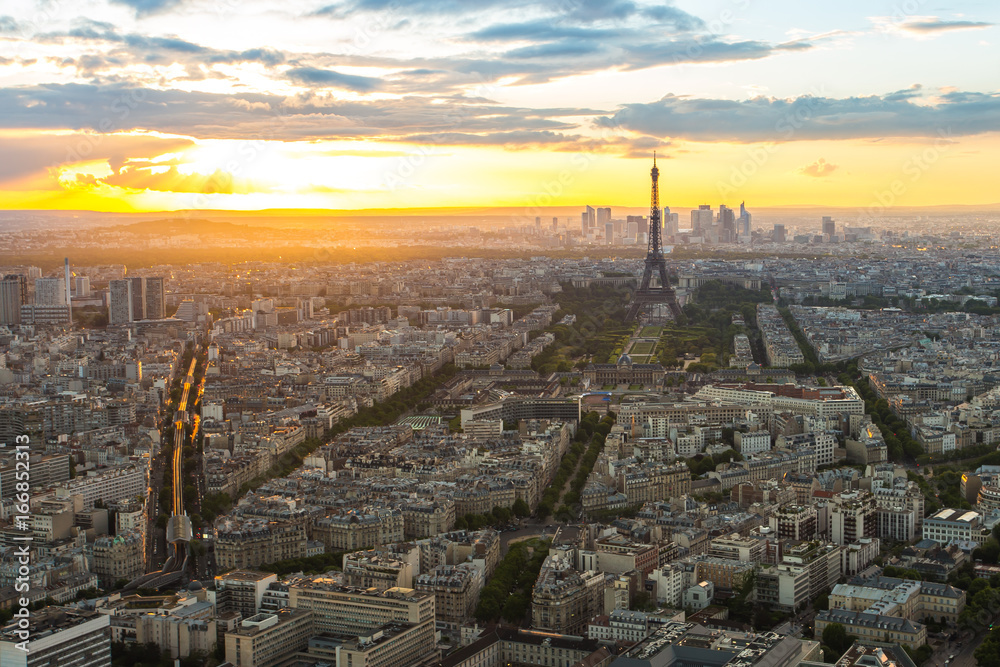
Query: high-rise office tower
[[727, 224], [555, 224], [609, 233], [829, 226], [34, 272], [779, 234], [591, 217], [50, 292], [13, 295], [156, 302], [633, 230], [120, 302], [138, 298], [82, 287], [603, 217], [743, 223], [701, 220], [69, 289], [671, 222]]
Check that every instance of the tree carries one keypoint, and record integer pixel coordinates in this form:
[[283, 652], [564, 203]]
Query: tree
[[835, 636], [520, 508]]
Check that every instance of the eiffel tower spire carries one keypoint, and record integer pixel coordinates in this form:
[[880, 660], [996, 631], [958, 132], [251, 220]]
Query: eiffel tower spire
[[647, 295]]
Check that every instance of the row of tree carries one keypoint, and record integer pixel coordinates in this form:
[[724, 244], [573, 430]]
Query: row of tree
[[498, 516], [507, 594]]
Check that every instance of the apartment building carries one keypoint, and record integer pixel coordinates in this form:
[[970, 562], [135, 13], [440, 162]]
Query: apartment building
[[265, 640], [456, 590]]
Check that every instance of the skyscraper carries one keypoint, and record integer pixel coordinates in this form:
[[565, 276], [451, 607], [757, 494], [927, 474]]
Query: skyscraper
[[609, 233], [555, 224], [727, 224], [779, 234], [138, 298], [743, 223], [50, 292], [69, 289], [155, 299], [671, 222], [13, 295], [701, 220], [829, 226], [82, 287], [603, 217], [120, 302]]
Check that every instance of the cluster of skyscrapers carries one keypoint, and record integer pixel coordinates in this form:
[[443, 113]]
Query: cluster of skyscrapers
[[132, 299], [51, 299], [596, 223], [707, 226], [726, 227]]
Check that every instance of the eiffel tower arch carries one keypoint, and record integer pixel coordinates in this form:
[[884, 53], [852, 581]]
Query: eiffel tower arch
[[654, 302]]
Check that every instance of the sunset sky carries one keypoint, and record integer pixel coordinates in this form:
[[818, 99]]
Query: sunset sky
[[131, 105]]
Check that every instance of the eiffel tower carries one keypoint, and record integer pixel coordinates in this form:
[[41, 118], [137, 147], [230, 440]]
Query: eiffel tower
[[647, 296]]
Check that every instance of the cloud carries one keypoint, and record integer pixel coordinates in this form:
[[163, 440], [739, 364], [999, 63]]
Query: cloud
[[171, 180], [934, 25], [810, 117], [923, 27], [8, 25], [313, 115], [818, 169], [412, 7], [541, 29], [325, 77], [146, 7], [38, 153]]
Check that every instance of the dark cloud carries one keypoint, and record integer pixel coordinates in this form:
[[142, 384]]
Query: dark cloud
[[937, 25], [25, 155], [700, 50], [671, 15], [329, 78], [171, 180], [809, 117], [8, 25], [154, 50], [412, 7], [145, 7], [250, 117], [556, 50], [541, 29], [520, 139]]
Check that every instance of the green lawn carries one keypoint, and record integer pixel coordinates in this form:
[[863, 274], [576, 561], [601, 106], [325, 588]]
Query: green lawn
[[651, 331], [642, 348]]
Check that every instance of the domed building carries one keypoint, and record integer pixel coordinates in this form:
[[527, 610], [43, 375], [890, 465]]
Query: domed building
[[624, 371]]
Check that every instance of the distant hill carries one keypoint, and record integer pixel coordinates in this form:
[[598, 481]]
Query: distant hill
[[196, 226]]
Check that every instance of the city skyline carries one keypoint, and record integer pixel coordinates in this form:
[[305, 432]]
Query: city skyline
[[148, 105]]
